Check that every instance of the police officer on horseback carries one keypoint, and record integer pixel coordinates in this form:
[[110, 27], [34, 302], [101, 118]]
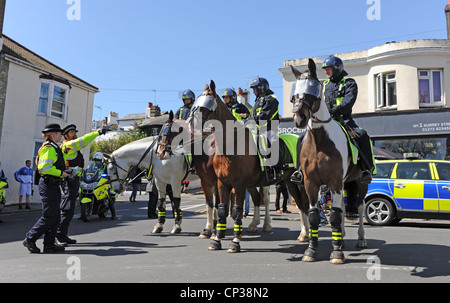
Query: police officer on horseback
[[239, 110], [188, 98], [340, 95], [265, 111]]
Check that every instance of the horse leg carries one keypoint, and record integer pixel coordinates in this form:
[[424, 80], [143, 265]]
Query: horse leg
[[237, 214], [301, 199], [337, 237], [223, 210], [314, 221], [253, 227], [178, 216], [161, 206], [362, 243], [209, 196], [267, 227]]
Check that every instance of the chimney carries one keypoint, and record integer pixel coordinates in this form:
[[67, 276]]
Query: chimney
[[447, 14]]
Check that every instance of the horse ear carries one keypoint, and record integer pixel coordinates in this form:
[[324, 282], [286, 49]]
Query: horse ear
[[213, 86], [206, 88], [296, 72], [312, 68], [171, 115]]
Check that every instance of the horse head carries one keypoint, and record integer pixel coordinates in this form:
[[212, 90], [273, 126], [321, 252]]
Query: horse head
[[305, 94]]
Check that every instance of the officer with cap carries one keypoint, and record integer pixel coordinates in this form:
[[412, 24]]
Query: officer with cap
[[340, 95], [50, 173], [239, 110], [71, 147], [188, 98]]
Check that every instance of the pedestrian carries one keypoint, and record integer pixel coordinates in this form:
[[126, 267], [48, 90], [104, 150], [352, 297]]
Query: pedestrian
[[25, 176], [74, 162], [136, 183], [281, 189], [50, 176]]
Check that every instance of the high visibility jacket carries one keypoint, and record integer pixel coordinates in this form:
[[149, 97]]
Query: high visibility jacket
[[182, 113], [265, 109], [237, 109], [50, 159], [71, 149], [341, 96]]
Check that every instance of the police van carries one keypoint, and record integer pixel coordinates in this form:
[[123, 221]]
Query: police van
[[408, 189]]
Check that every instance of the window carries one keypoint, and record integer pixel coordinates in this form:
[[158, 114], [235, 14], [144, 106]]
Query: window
[[430, 87], [384, 170], [53, 99], [386, 90], [443, 170], [37, 146], [414, 171]]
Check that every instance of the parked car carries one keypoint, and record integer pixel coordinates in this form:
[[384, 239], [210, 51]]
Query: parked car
[[408, 189]]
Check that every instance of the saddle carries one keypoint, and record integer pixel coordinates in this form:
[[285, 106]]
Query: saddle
[[352, 137]]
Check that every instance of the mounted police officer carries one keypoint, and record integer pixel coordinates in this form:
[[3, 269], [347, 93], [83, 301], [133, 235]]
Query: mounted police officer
[[188, 98], [50, 173], [265, 111], [239, 110], [74, 162], [340, 95]]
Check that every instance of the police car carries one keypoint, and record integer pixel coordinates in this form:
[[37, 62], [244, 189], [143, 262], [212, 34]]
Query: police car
[[408, 189]]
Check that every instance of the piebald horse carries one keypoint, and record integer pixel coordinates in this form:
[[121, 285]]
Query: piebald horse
[[325, 158], [171, 171], [236, 170]]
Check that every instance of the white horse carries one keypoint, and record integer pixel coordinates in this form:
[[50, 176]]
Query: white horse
[[171, 171], [325, 159]]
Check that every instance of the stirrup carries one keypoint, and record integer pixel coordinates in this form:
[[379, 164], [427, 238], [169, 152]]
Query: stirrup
[[297, 177]]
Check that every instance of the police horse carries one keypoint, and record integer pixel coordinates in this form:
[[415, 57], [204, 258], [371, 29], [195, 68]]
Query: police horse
[[235, 170], [202, 158], [325, 158], [171, 171]]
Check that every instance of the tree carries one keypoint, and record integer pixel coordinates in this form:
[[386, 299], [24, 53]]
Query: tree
[[110, 145]]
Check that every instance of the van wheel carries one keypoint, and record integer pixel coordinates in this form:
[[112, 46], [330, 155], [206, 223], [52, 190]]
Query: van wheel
[[379, 212]]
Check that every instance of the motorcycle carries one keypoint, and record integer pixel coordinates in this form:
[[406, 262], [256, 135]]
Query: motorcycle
[[96, 194], [3, 186]]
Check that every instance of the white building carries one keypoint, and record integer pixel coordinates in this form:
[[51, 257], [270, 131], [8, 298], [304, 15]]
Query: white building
[[33, 93]]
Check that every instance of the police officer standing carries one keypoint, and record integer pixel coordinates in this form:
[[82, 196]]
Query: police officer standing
[[51, 169], [340, 95], [74, 162], [239, 110]]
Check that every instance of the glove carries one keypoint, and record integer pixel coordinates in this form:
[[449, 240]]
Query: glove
[[334, 112], [103, 131]]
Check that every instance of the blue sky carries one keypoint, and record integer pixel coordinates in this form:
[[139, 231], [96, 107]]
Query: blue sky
[[139, 50]]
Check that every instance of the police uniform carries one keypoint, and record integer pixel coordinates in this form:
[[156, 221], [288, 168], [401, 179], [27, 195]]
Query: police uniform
[[183, 113], [74, 161], [265, 110], [50, 165], [340, 95], [239, 108]]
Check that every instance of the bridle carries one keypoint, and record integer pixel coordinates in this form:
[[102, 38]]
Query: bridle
[[312, 107]]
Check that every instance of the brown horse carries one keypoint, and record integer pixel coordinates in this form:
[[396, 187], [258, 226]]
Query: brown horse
[[237, 165], [325, 159]]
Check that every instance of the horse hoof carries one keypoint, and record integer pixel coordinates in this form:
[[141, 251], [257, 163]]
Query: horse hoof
[[267, 229], [337, 257], [361, 244], [175, 230], [308, 259], [157, 230], [234, 247], [303, 238], [205, 234], [215, 245], [252, 229]]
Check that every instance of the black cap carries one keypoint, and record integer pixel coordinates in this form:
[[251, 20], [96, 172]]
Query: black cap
[[69, 128], [52, 128]]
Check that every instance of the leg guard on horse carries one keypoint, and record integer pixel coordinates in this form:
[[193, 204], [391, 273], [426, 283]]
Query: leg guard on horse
[[337, 256], [221, 227], [178, 216], [161, 216], [314, 221]]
